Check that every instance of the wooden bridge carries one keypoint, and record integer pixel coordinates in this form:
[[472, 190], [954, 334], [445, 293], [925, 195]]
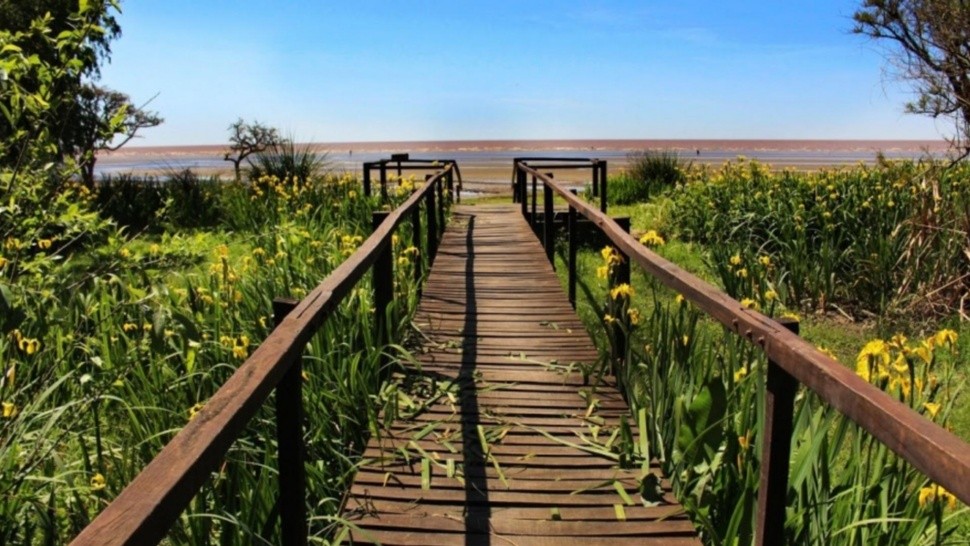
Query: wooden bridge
[[514, 443]]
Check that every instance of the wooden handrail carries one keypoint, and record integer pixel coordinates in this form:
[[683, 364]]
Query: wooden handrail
[[151, 503], [930, 448]]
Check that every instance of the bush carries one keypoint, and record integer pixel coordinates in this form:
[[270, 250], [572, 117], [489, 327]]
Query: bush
[[648, 173], [284, 161]]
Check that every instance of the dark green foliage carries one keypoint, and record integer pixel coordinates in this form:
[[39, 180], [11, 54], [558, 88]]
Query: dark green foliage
[[647, 174], [285, 160], [151, 203]]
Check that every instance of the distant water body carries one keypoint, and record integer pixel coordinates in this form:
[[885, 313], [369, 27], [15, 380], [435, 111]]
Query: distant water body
[[492, 157]]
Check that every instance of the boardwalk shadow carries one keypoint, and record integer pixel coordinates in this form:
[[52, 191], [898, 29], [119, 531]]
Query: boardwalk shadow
[[476, 481]]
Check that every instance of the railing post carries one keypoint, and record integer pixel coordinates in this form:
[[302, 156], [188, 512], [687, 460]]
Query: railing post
[[622, 277], [439, 187], [776, 451], [383, 284], [603, 187], [289, 442], [532, 220], [523, 197], [416, 242], [367, 179], [451, 186], [383, 181], [572, 252], [596, 179], [432, 226], [548, 231]]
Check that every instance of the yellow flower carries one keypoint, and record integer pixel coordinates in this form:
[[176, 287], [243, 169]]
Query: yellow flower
[[749, 303], [28, 345], [44, 244], [736, 259], [634, 315], [745, 441], [931, 407], [791, 316], [765, 260], [129, 327], [411, 250], [97, 482], [403, 260], [740, 374], [12, 243], [652, 238], [603, 271], [3, 262], [679, 298], [624, 290], [771, 295], [194, 410], [935, 493], [743, 273], [611, 256], [155, 249], [124, 253], [609, 319], [9, 410], [685, 340], [945, 337]]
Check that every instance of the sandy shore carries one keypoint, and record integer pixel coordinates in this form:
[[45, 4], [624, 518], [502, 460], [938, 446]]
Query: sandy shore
[[486, 165]]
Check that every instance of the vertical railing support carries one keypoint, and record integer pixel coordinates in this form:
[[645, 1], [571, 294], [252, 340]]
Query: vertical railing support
[[383, 181], [532, 219], [451, 185], [602, 166], [523, 197], [548, 229], [573, 236], [439, 188], [622, 277], [596, 179], [776, 451], [383, 284], [367, 179], [430, 207], [289, 441], [416, 243]]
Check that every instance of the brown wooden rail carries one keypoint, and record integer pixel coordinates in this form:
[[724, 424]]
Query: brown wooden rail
[[930, 448], [150, 504]]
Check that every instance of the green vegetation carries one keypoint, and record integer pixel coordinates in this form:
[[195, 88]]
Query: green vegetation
[[703, 388], [648, 173]]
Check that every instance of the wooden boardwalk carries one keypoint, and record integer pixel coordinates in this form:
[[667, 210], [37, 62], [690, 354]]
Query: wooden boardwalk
[[499, 439]]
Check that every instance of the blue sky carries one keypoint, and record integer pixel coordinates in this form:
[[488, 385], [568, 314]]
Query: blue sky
[[333, 71]]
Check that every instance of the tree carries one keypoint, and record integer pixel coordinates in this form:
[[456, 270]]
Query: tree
[[246, 139], [106, 120], [39, 30], [930, 47]]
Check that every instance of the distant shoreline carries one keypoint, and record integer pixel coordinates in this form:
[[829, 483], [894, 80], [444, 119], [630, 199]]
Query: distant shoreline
[[720, 145]]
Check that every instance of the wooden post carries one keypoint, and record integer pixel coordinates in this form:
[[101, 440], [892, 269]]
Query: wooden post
[[429, 207], [383, 181], [416, 242], [572, 252], [596, 179], [548, 230], [289, 442], [451, 186], [776, 451], [439, 187], [523, 197], [622, 276], [383, 283], [603, 187], [532, 219], [367, 179]]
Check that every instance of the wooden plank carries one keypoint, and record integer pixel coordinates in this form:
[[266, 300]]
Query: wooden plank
[[497, 323]]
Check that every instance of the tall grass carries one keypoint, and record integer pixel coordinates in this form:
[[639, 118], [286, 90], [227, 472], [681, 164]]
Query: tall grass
[[865, 239], [647, 174], [120, 341], [703, 390]]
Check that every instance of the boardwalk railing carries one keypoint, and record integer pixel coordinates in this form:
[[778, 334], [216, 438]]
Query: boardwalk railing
[[930, 448], [150, 504], [404, 162]]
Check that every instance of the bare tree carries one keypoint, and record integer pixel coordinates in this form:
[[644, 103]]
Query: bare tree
[[105, 120], [930, 47], [247, 139]]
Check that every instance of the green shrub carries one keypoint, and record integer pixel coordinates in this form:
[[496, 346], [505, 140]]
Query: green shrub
[[648, 173], [285, 160]]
